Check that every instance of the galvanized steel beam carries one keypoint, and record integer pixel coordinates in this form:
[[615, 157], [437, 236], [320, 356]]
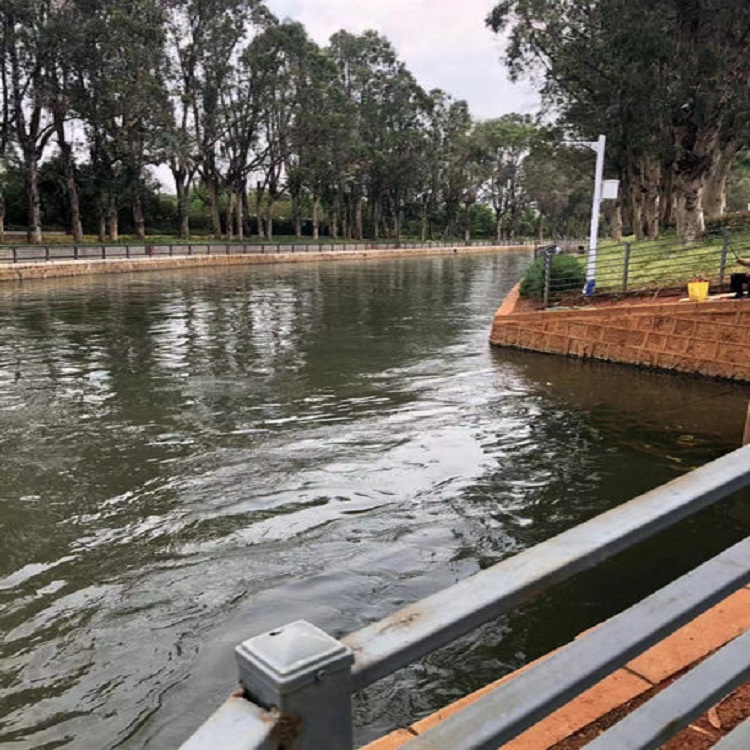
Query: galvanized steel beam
[[237, 725], [419, 629], [737, 739], [521, 702], [653, 723]]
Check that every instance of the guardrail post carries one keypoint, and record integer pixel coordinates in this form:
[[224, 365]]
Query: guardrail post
[[547, 276], [75, 252], [723, 261], [15, 254], [306, 675], [46, 252], [626, 268]]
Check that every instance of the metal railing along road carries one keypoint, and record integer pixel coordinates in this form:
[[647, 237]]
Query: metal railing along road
[[60, 252], [645, 267], [297, 681]]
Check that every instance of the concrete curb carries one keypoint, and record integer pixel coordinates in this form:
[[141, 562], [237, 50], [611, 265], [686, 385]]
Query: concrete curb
[[60, 269]]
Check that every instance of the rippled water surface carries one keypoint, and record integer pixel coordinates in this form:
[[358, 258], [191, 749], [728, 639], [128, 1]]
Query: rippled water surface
[[188, 459]]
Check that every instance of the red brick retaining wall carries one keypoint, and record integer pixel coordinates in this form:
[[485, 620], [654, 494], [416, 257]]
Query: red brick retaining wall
[[709, 338]]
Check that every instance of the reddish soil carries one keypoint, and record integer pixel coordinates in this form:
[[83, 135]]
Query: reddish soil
[[524, 305], [701, 734]]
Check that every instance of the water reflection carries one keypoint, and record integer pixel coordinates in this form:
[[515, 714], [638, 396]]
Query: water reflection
[[190, 458]]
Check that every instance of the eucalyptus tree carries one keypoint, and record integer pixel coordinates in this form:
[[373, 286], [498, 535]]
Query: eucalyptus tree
[[502, 145], [457, 175], [118, 92], [667, 80], [382, 113], [27, 44], [283, 60], [205, 41]]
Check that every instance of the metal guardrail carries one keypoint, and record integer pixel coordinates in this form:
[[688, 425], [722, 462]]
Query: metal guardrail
[[297, 681], [47, 253], [633, 268]]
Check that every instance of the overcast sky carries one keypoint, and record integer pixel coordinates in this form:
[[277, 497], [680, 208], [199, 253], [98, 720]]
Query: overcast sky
[[444, 43]]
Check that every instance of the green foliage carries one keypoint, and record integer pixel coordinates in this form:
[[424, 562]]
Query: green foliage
[[737, 220], [567, 275]]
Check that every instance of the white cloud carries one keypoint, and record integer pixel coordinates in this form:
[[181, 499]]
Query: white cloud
[[444, 43]]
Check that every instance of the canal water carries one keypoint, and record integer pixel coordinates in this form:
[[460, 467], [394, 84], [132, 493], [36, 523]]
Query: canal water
[[188, 459]]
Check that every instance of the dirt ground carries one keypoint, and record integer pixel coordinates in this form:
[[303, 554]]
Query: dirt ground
[[702, 733], [578, 302]]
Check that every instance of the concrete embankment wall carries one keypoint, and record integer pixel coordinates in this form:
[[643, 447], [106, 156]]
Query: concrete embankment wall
[[59, 269], [708, 338]]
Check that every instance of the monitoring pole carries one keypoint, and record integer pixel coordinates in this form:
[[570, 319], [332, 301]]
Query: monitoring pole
[[598, 148]]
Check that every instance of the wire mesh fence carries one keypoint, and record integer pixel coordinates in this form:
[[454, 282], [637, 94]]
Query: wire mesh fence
[[656, 267]]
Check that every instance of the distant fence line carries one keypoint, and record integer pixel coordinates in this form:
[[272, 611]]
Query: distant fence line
[[57, 252]]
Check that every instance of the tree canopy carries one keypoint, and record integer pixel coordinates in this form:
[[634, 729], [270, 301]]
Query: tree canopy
[[667, 81]]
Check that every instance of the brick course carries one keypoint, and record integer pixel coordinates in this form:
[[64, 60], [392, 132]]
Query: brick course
[[707, 338]]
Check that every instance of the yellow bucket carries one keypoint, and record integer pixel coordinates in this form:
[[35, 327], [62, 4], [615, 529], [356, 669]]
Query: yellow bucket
[[698, 291]]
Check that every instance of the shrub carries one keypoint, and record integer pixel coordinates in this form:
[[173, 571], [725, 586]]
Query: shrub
[[567, 275]]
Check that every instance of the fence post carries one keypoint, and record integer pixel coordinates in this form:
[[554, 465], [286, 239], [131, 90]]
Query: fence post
[[723, 261], [46, 252], [306, 675], [547, 276], [75, 252], [15, 254], [626, 268]]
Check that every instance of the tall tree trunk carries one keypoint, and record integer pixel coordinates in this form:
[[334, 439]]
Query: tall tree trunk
[[229, 215], [296, 211], [102, 217], [650, 180], [376, 220], [34, 234], [138, 220], [359, 230], [346, 231], [183, 193], [246, 231], [239, 211], [259, 189], [113, 219], [690, 219], [715, 188], [333, 225], [213, 205], [615, 231], [66, 152], [269, 217], [636, 207], [667, 199], [315, 219]]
